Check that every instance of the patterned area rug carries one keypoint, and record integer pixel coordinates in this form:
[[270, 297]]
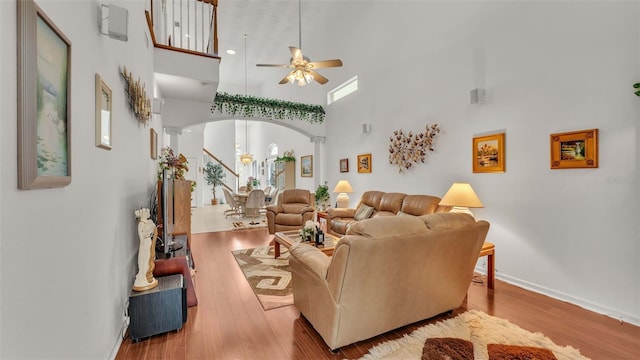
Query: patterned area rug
[[472, 332], [269, 278], [246, 222]]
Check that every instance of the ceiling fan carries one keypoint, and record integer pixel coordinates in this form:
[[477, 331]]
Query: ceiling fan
[[303, 71]]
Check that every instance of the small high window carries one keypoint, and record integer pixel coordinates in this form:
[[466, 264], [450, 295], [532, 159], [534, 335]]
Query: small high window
[[342, 90]]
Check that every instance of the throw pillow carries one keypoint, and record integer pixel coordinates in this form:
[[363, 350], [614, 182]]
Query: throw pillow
[[363, 212]]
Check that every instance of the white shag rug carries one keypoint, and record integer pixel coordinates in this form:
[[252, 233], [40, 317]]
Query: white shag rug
[[479, 328]]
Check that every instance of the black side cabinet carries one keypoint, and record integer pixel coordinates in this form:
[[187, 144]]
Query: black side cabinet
[[159, 310]]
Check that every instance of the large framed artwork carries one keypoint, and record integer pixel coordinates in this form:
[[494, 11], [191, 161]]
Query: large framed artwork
[[576, 149], [306, 166], [489, 154], [103, 114], [364, 163], [44, 100]]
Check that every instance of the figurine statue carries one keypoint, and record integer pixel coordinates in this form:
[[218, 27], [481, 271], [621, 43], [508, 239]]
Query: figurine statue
[[148, 233]]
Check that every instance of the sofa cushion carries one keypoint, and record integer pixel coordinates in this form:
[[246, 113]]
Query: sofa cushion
[[363, 212], [391, 202], [419, 204], [447, 221], [289, 219], [371, 198]]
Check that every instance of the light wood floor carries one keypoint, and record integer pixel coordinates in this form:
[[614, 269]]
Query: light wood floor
[[229, 323]]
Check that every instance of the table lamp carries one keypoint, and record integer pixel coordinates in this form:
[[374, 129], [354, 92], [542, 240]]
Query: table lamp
[[461, 196], [343, 187]]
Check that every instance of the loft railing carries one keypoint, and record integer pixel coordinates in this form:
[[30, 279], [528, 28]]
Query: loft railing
[[232, 178], [188, 26]]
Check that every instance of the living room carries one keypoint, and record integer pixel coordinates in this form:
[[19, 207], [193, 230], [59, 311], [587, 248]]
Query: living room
[[68, 254]]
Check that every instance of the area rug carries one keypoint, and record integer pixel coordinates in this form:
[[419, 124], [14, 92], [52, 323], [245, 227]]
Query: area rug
[[269, 278], [487, 337], [246, 222]]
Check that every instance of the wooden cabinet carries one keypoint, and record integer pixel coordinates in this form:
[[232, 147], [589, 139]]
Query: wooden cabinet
[[181, 208], [285, 175]]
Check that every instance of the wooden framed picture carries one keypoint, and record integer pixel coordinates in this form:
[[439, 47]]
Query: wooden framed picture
[[576, 149], [306, 166], [344, 165], [489, 154], [103, 114], [44, 100], [364, 163], [153, 144]]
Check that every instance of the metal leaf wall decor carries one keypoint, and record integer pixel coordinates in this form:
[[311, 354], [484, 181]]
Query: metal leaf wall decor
[[405, 149]]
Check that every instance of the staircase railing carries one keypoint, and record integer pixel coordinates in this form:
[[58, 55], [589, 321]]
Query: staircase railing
[[232, 178], [189, 26]]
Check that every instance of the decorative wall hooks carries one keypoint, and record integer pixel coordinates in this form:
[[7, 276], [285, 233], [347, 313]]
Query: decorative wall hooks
[[405, 149], [138, 100]]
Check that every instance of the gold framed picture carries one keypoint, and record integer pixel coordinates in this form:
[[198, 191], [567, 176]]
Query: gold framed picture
[[153, 144], [103, 114], [306, 166], [364, 163], [575, 149], [489, 153]]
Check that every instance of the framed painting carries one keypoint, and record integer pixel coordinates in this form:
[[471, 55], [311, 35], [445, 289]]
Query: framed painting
[[364, 163], [306, 166], [489, 154], [344, 165], [153, 144], [576, 149], [44, 100], [103, 114]]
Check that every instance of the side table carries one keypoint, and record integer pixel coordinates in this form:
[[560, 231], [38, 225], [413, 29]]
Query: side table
[[489, 250]]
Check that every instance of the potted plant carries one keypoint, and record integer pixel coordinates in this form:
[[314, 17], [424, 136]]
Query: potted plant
[[322, 195], [214, 176]]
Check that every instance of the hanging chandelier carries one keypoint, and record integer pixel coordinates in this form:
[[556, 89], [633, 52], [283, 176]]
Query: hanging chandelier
[[246, 158]]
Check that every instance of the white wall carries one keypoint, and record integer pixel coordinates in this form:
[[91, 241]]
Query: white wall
[[547, 67], [68, 255]]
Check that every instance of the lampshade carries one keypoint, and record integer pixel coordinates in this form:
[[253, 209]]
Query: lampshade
[[461, 194], [343, 186]]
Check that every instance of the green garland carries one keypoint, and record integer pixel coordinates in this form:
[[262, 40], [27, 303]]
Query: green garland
[[250, 106], [637, 86]]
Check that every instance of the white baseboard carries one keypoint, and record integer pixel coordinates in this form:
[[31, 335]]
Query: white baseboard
[[116, 348], [585, 304]]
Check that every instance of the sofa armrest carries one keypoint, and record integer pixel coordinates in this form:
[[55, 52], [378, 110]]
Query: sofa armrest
[[312, 258], [274, 208], [341, 212], [307, 209]]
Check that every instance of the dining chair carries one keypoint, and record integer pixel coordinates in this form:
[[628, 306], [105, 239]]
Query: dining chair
[[267, 195], [255, 203], [233, 204], [242, 188]]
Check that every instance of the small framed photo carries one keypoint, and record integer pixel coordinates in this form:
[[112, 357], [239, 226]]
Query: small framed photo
[[489, 154], [306, 166], [344, 165], [364, 163], [153, 144], [44, 100], [103, 114], [576, 149]]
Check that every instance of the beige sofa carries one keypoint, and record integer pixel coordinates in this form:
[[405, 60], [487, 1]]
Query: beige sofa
[[386, 273], [384, 204]]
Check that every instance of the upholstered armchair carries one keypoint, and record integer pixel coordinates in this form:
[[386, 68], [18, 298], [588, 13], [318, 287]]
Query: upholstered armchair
[[294, 207]]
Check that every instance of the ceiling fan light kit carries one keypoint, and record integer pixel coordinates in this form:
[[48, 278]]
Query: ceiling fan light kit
[[303, 72]]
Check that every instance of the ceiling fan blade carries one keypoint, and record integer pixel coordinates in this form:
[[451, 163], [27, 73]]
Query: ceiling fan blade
[[296, 54], [284, 80], [275, 65], [324, 64], [317, 77]]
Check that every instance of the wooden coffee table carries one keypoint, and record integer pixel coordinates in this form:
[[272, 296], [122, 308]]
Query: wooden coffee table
[[288, 238]]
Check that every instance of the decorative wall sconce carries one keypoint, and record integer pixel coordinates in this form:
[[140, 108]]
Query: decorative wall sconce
[[407, 149], [138, 100]]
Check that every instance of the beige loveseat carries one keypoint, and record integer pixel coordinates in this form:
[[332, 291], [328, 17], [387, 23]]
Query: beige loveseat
[[386, 273], [384, 204]]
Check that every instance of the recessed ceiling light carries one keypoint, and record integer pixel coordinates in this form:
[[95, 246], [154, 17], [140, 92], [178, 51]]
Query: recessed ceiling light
[[231, 52]]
